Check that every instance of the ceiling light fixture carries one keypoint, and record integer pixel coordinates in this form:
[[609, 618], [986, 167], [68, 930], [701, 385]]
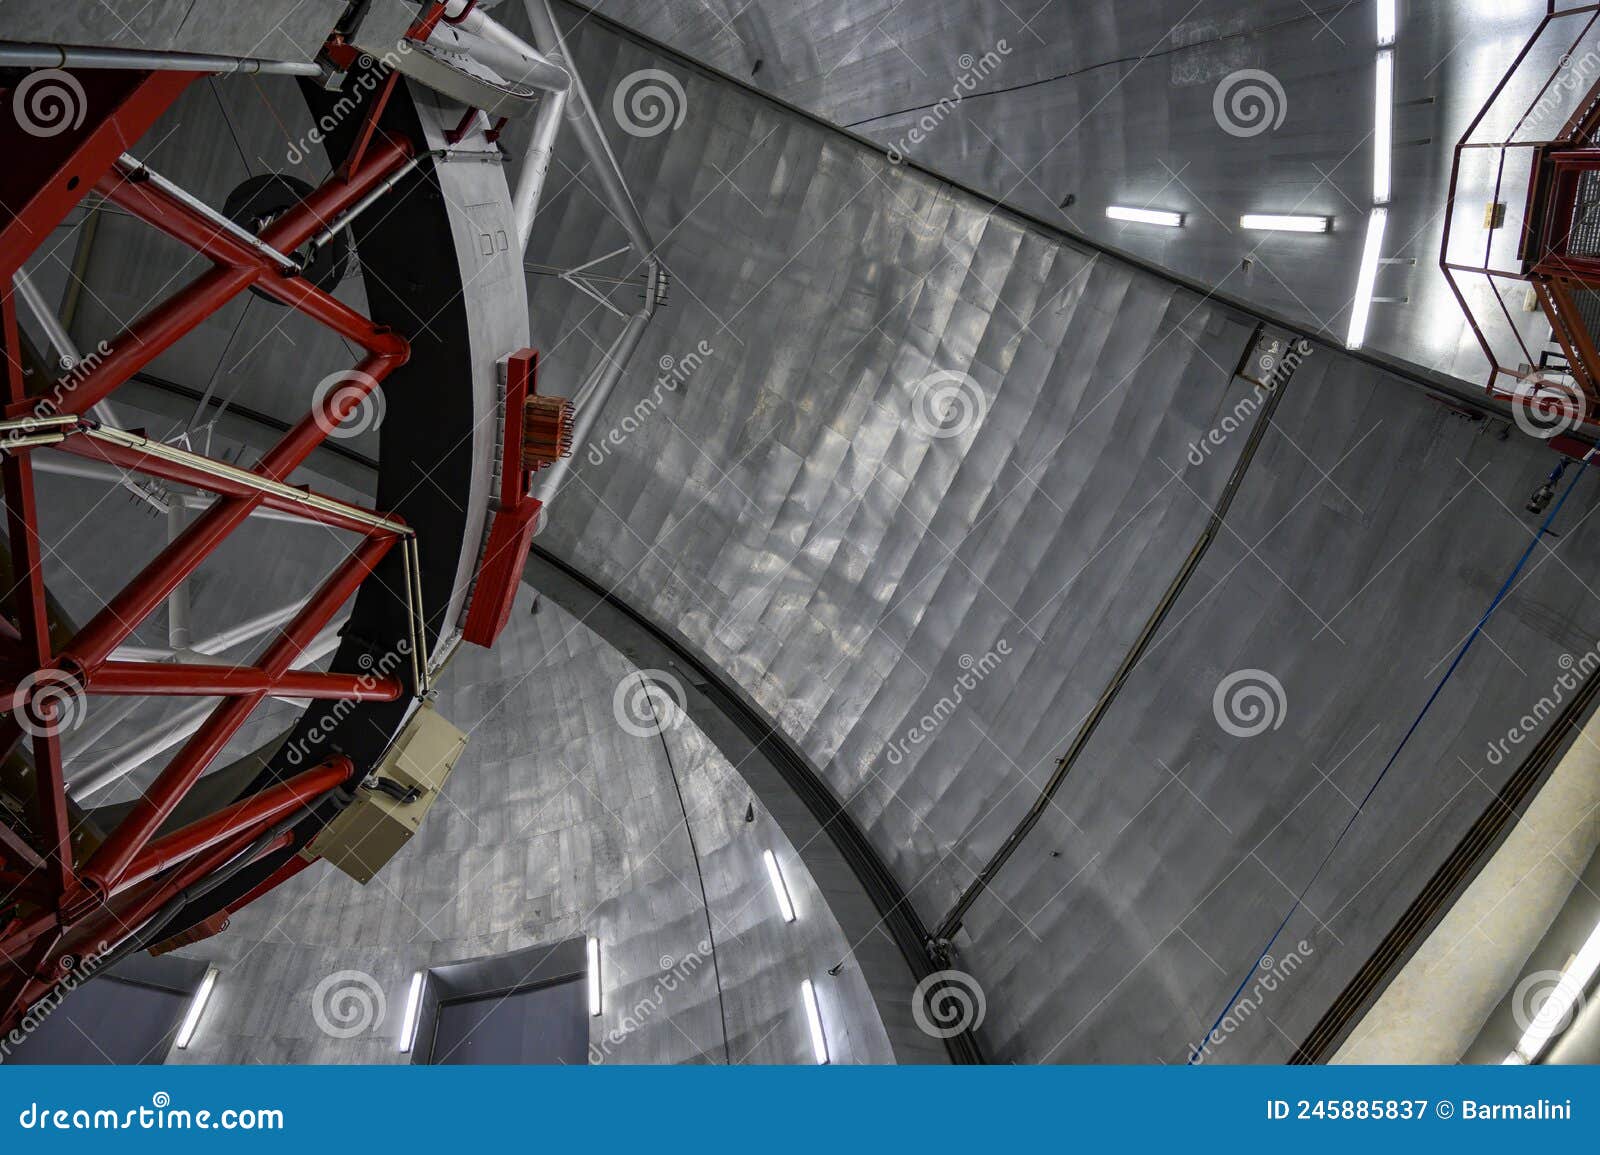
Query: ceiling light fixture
[[1145, 216], [408, 1025], [1388, 23], [819, 1041], [1383, 127], [1361, 307], [779, 888], [1280, 223], [594, 976], [197, 1008]]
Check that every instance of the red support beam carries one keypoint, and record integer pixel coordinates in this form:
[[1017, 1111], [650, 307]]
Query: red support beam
[[156, 331], [112, 625], [28, 595], [110, 862], [254, 813], [201, 680]]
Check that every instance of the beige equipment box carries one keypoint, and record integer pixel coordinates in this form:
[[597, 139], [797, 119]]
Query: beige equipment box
[[373, 828]]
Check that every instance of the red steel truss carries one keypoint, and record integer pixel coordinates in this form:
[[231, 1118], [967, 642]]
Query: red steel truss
[[64, 905]]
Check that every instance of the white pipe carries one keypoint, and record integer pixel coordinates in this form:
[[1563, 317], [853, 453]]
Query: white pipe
[[56, 56], [178, 599], [492, 43], [536, 164], [136, 169], [67, 352]]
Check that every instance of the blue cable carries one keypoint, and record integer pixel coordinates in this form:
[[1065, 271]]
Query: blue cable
[[1299, 901]]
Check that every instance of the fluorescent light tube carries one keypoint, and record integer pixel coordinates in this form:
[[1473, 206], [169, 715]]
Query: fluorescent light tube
[[408, 1026], [1558, 1004], [785, 907], [1144, 216], [594, 976], [1383, 128], [1361, 307], [197, 1008], [1388, 23], [819, 1041], [1279, 223]]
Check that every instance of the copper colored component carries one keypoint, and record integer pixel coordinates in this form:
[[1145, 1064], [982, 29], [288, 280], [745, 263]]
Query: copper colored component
[[546, 431]]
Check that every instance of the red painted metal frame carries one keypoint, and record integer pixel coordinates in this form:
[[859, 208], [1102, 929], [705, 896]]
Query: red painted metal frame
[[136, 870], [1544, 232]]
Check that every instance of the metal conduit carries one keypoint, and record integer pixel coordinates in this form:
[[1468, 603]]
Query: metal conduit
[[951, 922]]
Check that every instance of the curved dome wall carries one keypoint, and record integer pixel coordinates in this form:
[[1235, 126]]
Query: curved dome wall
[[784, 506], [556, 823]]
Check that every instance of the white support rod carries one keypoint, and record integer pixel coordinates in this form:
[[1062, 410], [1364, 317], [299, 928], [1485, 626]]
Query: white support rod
[[136, 169], [596, 392], [586, 125], [253, 628], [115, 765], [178, 599], [67, 353], [58, 56], [536, 163], [64, 466]]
